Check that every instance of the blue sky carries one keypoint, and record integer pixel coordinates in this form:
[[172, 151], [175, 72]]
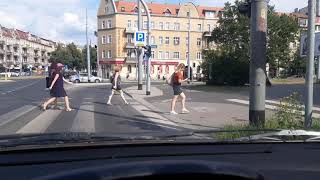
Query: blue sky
[[64, 20]]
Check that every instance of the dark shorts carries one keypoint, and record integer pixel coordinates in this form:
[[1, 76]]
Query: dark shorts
[[176, 89]]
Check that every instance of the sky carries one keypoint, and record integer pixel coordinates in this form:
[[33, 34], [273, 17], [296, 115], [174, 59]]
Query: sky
[[64, 20]]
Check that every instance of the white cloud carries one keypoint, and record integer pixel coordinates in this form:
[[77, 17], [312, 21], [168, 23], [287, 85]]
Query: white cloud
[[58, 20]]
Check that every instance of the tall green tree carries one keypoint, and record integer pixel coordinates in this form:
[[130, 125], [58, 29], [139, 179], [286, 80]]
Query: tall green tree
[[93, 56], [69, 55], [232, 37]]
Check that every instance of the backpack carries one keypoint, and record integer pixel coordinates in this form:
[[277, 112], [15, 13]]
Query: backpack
[[170, 79]]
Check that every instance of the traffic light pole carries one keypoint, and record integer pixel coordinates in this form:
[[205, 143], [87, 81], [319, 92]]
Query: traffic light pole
[[310, 63], [140, 51], [258, 62]]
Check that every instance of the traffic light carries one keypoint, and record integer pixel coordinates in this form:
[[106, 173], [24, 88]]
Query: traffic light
[[245, 8], [148, 51]]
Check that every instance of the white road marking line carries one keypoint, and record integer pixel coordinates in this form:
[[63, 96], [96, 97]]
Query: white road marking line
[[316, 115], [12, 115], [41, 123], [84, 120]]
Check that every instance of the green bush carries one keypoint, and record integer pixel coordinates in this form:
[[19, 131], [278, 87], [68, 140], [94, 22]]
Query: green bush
[[227, 70]]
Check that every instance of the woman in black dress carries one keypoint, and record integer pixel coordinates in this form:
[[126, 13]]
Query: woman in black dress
[[57, 89]]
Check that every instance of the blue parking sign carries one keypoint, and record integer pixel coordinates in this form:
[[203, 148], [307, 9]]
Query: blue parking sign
[[140, 38]]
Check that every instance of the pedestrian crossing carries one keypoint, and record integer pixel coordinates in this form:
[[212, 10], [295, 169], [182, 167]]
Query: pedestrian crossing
[[90, 116], [274, 105]]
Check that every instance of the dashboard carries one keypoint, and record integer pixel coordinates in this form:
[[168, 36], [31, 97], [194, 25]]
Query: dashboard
[[163, 160]]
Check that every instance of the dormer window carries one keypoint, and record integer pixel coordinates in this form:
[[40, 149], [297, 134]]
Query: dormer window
[[167, 12], [123, 9], [177, 11]]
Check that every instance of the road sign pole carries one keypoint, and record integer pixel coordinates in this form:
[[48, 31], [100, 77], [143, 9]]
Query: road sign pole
[[310, 63], [258, 62], [140, 53]]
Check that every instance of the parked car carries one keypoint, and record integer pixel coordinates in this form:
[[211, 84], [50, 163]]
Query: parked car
[[5, 73], [83, 77]]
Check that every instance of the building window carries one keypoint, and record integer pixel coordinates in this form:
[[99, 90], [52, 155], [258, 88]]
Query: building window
[[198, 42], [177, 26], [167, 41], [209, 27], [109, 39], [109, 24], [129, 69], [103, 39], [176, 40], [145, 24], [160, 55], [103, 54], [123, 9], [152, 54], [160, 40], [176, 55], [152, 40], [209, 14], [199, 55], [167, 26], [109, 54], [103, 24], [135, 24], [188, 26], [152, 25], [129, 24], [167, 55], [188, 14], [129, 38], [199, 27], [161, 25]]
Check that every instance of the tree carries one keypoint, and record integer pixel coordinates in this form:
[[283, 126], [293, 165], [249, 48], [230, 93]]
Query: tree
[[69, 55], [232, 38], [93, 56]]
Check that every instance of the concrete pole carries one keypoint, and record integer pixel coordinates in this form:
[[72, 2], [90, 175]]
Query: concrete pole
[[140, 54], [148, 84], [258, 62], [310, 63], [88, 48], [189, 41]]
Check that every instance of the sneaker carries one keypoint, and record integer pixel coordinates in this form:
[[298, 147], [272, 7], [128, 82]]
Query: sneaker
[[109, 103], [173, 113], [185, 111]]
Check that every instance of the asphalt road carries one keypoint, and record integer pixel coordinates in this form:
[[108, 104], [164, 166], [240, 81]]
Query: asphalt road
[[20, 111]]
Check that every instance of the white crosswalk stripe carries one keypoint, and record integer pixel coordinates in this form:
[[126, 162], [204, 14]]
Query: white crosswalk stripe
[[41, 123], [84, 120], [272, 107], [12, 115]]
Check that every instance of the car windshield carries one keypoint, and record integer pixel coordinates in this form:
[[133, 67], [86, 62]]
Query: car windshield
[[186, 70]]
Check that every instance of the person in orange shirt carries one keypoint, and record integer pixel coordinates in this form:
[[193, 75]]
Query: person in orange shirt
[[178, 78]]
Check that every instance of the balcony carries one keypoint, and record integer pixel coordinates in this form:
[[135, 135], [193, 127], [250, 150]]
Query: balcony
[[130, 45], [207, 34], [2, 42], [2, 51], [36, 55], [131, 60], [15, 45], [16, 53], [25, 54], [130, 30]]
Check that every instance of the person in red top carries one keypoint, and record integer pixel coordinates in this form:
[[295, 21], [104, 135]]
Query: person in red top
[[178, 78]]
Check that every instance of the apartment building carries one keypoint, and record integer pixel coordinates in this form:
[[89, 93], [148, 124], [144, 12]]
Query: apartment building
[[117, 22], [19, 48]]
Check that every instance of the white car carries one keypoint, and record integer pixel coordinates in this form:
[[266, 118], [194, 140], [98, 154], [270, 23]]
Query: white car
[[83, 77]]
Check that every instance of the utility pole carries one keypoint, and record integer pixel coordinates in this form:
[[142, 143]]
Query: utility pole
[[258, 62], [310, 63], [140, 54], [88, 50], [189, 30]]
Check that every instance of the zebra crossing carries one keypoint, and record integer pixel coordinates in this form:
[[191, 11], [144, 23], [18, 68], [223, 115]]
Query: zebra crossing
[[90, 116], [274, 105]]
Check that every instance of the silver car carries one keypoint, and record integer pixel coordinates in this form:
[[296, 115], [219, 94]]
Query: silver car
[[83, 77]]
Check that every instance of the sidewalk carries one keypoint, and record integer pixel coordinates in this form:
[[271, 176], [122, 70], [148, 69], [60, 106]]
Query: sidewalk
[[204, 114]]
